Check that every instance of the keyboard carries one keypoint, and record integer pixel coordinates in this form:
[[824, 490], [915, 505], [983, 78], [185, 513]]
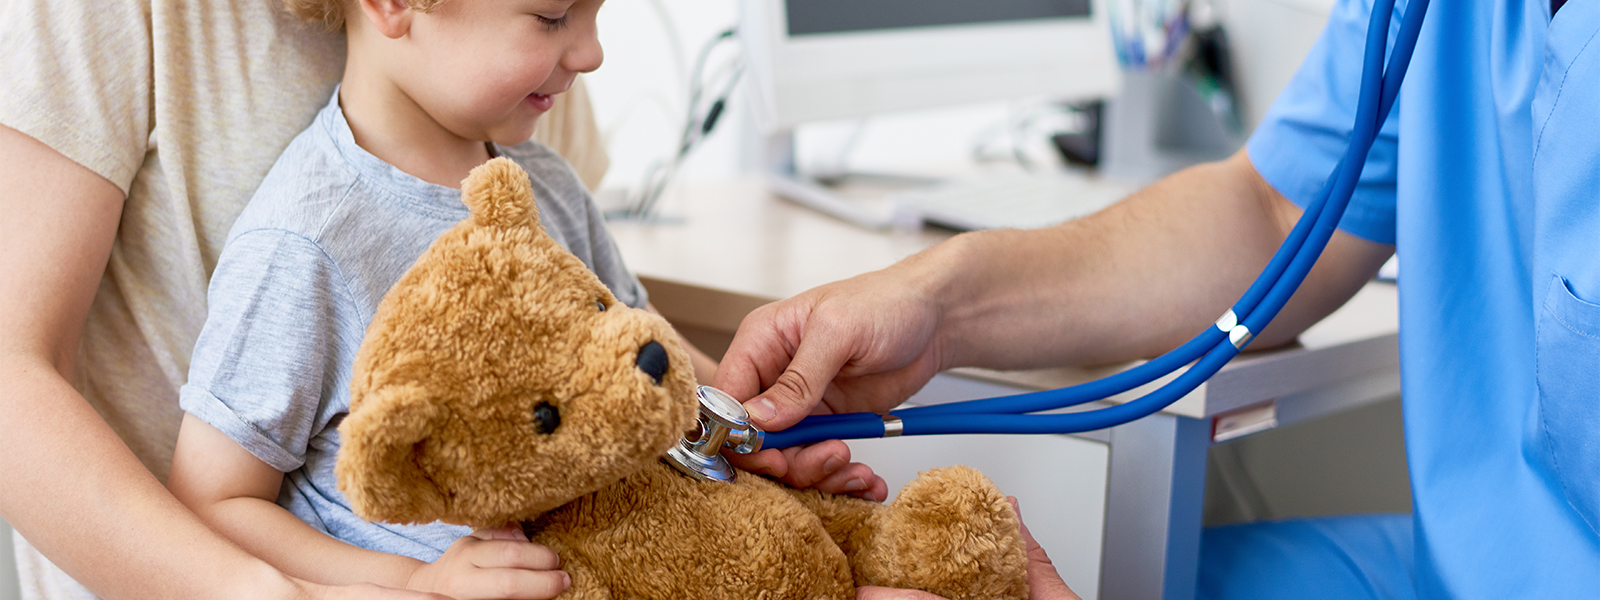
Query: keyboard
[[1012, 201]]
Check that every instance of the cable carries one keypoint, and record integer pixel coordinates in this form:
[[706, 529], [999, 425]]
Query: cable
[[698, 124]]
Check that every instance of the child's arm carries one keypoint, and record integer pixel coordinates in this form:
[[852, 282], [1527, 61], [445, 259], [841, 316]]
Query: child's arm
[[235, 493]]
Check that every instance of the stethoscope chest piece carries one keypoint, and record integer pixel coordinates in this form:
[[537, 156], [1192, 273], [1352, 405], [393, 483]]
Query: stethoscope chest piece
[[722, 422]]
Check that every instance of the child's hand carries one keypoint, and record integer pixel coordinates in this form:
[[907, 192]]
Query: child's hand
[[493, 564]]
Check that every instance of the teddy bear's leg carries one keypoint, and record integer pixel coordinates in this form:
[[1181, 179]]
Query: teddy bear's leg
[[950, 532]]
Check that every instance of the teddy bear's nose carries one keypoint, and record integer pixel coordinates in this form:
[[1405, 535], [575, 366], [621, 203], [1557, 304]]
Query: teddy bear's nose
[[653, 361]]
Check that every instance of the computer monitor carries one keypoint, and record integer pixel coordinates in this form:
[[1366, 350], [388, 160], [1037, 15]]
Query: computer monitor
[[818, 60]]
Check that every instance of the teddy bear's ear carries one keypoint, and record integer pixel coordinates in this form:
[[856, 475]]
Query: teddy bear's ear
[[379, 469], [499, 194]]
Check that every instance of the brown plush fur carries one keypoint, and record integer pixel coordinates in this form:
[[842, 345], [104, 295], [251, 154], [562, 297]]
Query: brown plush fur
[[496, 319]]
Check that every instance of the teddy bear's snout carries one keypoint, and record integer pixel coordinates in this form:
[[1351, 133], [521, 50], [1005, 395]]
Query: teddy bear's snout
[[653, 361]]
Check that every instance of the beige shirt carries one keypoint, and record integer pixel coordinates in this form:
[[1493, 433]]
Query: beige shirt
[[184, 105]]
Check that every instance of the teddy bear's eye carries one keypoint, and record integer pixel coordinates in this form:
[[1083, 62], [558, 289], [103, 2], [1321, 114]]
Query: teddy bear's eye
[[600, 304], [546, 418]]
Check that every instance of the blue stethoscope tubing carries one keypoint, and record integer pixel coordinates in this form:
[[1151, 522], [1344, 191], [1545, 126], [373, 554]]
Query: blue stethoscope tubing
[[1208, 351]]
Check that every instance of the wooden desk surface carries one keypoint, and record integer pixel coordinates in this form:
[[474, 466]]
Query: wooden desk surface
[[731, 246]]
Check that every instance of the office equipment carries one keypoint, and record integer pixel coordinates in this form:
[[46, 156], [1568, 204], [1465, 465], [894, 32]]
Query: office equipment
[[1015, 201], [819, 60]]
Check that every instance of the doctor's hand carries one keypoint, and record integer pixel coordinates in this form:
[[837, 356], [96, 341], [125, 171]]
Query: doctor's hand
[[858, 345], [825, 466], [863, 344]]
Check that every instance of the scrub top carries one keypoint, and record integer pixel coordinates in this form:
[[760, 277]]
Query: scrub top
[[1486, 178]]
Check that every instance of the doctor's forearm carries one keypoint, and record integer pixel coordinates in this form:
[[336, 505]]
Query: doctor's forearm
[[1136, 279]]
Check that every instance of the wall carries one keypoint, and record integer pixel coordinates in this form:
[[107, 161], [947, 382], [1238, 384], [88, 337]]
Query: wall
[[640, 94], [1269, 39]]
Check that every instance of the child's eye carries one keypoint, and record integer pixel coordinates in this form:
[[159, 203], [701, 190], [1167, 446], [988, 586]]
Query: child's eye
[[553, 24]]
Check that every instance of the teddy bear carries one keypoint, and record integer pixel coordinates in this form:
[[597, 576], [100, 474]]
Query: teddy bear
[[501, 382]]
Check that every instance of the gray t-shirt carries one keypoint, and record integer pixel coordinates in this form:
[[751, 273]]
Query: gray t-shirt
[[329, 231]]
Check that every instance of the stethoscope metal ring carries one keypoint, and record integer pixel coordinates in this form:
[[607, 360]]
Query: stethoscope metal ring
[[722, 423]]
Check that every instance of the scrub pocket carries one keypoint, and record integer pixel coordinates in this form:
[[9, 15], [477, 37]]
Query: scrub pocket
[[1569, 394]]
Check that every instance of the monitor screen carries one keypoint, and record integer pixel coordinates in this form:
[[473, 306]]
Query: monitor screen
[[835, 16], [819, 60]]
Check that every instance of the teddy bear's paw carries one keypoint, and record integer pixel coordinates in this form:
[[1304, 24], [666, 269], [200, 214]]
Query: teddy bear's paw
[[950, 532]]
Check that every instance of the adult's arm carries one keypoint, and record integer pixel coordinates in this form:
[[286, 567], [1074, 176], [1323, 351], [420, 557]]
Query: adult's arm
[[73, 489], [1131, 281]]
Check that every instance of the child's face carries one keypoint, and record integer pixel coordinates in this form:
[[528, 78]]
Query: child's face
[[486, 69]]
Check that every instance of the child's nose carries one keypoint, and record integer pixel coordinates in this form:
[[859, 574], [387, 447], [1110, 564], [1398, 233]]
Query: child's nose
[[653, 361], [584, 56]]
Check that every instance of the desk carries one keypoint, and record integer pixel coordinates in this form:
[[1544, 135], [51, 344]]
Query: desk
[[737, 247]]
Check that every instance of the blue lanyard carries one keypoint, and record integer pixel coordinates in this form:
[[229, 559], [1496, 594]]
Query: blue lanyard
[[1208, 351]]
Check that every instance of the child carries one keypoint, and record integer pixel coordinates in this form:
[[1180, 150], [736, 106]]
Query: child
[[431, 89]]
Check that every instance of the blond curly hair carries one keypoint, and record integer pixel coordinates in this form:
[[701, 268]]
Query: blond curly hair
[[331, 12]]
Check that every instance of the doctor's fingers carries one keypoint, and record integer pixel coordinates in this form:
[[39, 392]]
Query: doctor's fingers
[[770, 462], [857, 480], [762, 347], [827, 467], [823, 348], [789, 362]]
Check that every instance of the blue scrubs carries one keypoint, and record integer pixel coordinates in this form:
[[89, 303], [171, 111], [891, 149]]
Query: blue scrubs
[[1487, 180]]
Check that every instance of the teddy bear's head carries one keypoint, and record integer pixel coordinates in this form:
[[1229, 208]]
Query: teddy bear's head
[[500, 378]]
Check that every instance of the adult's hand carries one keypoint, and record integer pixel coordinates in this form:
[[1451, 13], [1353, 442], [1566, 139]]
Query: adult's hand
[[862, 344], [1044, 583], [824, 465]]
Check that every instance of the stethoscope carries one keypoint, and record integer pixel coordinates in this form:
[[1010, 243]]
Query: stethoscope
[[723, 422]]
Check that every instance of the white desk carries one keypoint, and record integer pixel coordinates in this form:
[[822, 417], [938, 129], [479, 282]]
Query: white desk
[[737, 247]]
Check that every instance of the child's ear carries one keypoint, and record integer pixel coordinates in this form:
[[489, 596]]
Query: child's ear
[[392, 18], [379, 468]]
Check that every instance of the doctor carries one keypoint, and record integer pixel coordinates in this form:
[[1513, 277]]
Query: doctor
[[1486, 178]]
